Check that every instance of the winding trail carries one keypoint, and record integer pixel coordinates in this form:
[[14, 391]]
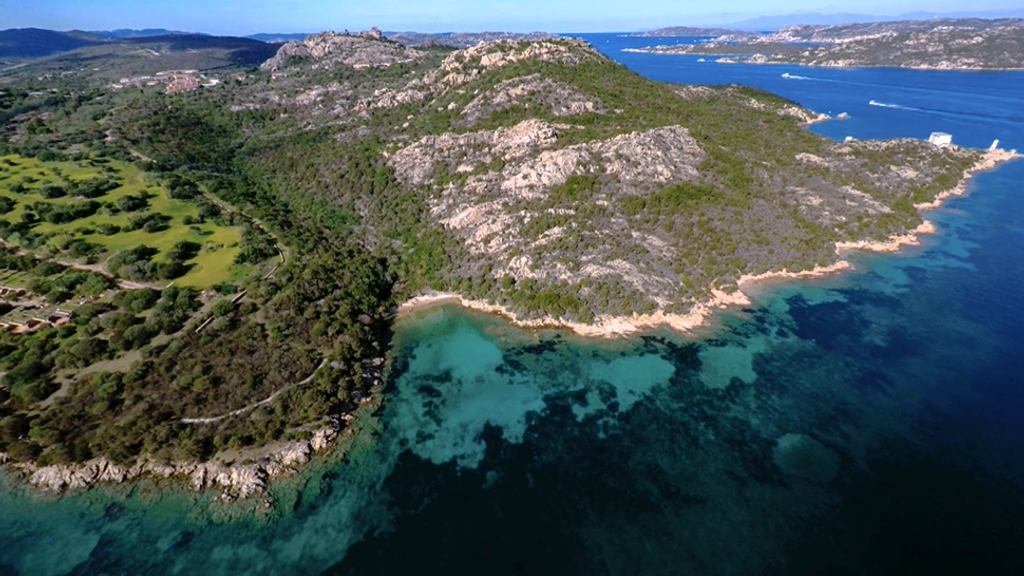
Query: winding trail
[[258, 223], [140, 155], [96, 268], [266, 400]]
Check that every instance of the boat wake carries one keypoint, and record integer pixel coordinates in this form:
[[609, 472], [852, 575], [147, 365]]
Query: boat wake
[[887, 105], [789, 76], [958, 115]]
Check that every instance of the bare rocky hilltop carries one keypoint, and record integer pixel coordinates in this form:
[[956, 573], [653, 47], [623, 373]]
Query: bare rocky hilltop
[[575, 194], [972, 44], [328, 49]]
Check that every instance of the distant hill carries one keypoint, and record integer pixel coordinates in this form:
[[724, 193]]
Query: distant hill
[[203, 41], [122, 33], [772, 23], [111, 60], [283, 37], [965, 43], [676, 31], [35, 42], [940, 28], [462, 39]]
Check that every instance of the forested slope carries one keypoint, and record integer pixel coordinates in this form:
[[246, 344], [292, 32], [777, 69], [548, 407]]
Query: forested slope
[[541, 176]]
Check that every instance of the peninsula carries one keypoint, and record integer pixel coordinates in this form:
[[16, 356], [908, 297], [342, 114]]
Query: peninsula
[[945, 44], [205, 264]]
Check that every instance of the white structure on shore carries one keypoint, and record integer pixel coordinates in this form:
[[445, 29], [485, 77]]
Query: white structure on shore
[[941, 139], [994, 146]]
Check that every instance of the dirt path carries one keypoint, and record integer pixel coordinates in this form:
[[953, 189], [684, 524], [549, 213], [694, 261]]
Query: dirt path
[[281, 253], [96, 268], [141, 156], [266, 400]]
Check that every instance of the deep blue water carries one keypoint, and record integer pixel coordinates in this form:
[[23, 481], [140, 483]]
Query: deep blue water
[[868, 423], [976, 107]]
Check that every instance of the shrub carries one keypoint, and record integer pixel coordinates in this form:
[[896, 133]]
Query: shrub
[[136, 336], [94, 187], [132, 203], [136, 301], [52, 191], [150, 222], [22, 451], [184, 250], [89, 351]]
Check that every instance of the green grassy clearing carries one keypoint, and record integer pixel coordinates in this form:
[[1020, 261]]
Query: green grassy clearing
[[220, 245]]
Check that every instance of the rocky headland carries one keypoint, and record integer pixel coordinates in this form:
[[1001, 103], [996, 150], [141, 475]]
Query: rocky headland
[[701, 313], [538, 180], [950, 44]]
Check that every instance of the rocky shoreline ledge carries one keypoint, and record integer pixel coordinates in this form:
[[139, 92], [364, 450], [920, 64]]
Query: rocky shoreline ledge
[[701, 313], [247, 477], [234, 481]]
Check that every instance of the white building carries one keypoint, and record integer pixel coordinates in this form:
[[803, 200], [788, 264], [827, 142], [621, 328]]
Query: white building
[[941, 139]]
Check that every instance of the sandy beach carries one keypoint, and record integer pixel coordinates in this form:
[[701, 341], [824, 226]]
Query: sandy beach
[[700, 314]]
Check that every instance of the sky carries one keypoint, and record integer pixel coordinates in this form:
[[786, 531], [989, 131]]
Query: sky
[[242, 17]]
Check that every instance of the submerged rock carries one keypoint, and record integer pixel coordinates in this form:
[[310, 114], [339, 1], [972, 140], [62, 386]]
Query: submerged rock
[[804, 457]]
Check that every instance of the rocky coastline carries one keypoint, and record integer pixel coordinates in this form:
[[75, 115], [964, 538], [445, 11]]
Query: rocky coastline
[[234, 481], [936, 44], [759, 58], [233, 477], [471, 178], [701, 313], [250, 478]]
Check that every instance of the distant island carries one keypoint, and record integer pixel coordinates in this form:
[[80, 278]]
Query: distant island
[[464, 39], [954, 44], [677, 31], [206, 240]]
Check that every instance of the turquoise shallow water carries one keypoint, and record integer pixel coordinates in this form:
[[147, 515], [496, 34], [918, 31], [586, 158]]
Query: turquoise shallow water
[[867, 423]]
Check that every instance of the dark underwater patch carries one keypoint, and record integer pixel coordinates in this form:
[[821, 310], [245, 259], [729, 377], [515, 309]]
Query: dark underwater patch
[[831, 325]]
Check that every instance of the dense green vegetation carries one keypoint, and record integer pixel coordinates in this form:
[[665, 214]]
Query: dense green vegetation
[[93, 209], [81, 56], [741, 215], [329, 302], [293, 176]]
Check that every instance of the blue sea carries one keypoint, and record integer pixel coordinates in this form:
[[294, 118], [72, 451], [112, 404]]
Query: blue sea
[[868, 423]]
